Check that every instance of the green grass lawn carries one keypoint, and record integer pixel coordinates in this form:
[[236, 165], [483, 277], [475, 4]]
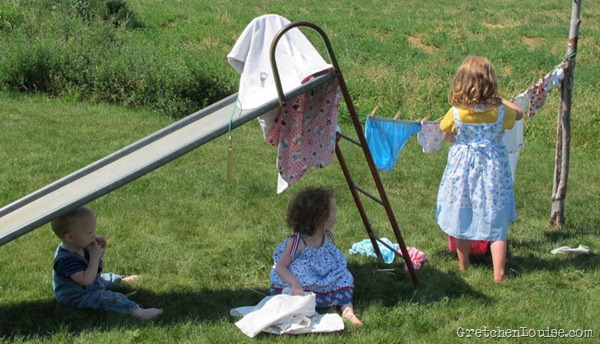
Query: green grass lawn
[[203, 244]]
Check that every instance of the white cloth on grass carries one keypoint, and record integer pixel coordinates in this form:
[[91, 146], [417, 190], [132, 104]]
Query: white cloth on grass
[[286, 314]]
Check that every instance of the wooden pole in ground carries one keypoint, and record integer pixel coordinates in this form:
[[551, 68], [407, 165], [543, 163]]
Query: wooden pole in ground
[[563, 132]]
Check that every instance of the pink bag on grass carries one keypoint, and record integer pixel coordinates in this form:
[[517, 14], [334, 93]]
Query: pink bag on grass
[[478, 247]]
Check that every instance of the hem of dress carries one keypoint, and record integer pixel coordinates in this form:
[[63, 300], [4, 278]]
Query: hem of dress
[[280, 289]]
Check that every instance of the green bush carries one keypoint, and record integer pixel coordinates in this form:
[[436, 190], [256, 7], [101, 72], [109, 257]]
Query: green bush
[[89, 50], [10, 17]]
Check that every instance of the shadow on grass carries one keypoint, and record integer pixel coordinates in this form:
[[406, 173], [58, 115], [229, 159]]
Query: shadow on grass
[[46, 318], [569, 231], [375, 285], [525, 256]]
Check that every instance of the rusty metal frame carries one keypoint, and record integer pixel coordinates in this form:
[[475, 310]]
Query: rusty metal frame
[[354, 189]]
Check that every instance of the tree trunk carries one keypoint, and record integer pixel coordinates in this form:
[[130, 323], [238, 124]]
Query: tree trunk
[[563, 131]]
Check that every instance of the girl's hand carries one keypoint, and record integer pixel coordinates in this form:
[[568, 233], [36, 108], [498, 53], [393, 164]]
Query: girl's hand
[[297, 291], [450, 137]]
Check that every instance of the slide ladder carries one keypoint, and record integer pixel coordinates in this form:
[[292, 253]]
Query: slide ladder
[[361, 142]]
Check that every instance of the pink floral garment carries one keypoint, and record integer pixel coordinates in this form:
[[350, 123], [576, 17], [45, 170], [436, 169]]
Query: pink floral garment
[[304, 131]]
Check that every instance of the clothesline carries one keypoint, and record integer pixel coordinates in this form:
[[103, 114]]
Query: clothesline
[[534, 98]]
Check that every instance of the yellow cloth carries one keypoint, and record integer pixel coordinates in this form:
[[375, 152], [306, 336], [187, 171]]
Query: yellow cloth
[[471, 117]]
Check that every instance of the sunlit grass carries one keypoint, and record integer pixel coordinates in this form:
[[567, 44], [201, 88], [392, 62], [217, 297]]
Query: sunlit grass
[[203, 243]]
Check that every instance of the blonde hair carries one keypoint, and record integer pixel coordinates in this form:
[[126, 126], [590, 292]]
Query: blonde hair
[[67, 222], [475, 83]]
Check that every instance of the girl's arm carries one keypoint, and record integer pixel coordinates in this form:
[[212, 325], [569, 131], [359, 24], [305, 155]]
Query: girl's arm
[[450, 137], [515, 107], [283, 271]]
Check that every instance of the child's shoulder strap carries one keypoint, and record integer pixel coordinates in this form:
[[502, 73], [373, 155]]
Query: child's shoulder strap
[[456, 115], [500, 114], [329, 235], [295, 241]]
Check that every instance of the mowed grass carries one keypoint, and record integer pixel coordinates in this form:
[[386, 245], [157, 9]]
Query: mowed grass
[[203, 244]]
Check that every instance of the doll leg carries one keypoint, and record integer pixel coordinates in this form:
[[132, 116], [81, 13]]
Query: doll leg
[[463, 250]]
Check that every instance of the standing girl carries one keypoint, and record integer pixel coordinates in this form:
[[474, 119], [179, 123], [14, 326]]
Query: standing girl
[[308, 260], [476, 198]]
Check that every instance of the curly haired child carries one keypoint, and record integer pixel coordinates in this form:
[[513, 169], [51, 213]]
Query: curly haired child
[[309, 260]]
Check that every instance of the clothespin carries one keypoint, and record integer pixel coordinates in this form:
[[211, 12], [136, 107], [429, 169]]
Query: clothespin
[[374, 112], [397, 115]]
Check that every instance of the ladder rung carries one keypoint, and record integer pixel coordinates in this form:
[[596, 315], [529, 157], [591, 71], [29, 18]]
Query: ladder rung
[[367, 194], [388, 246], [349, 139]]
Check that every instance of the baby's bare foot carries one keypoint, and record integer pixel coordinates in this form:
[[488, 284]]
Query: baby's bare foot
[[131, 278], [146, 314]]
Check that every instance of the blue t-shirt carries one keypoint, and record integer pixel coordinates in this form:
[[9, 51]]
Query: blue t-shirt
[[67, 263]]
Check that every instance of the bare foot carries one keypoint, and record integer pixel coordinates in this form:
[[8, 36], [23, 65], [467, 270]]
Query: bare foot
[[131, 278], [147, 313], [498, 279], [349, 315], [463, 267]]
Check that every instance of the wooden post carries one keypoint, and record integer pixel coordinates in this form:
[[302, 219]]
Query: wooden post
[[563, 132]]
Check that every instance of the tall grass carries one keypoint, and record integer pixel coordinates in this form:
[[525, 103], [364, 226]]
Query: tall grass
[[203, 243]]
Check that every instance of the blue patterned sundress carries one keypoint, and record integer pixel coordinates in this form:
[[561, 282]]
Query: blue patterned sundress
[[321, 270], [476, 198]]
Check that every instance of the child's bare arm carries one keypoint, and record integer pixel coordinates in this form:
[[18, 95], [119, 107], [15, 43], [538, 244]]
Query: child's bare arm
[[282, 269], [88, 276], [515, 107]]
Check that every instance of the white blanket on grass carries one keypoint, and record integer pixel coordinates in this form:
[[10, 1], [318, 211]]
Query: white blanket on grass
[[286, 314]]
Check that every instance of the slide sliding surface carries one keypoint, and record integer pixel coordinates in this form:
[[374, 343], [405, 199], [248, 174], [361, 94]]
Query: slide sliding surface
[[130, 163]]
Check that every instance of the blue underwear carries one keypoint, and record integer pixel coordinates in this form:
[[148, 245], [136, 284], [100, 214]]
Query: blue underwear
[[386, 138]]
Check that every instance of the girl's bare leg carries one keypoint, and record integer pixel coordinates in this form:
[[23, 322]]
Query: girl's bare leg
[[463, 250], [498, 249]]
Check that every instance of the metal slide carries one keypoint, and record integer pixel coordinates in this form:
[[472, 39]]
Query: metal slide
[[132, 162]]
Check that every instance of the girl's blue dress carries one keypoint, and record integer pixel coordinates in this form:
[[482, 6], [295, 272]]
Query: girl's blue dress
[[476, 198], [321, 270]]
